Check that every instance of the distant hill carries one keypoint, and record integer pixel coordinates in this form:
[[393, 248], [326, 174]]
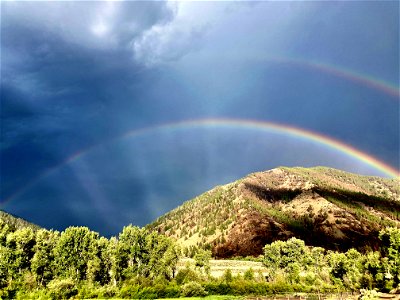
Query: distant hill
[[322, 206], [15, 222]]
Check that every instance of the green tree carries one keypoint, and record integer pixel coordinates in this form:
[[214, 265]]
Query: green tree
[[5, 229], [163, 256], [202, 260], [75, 248], [132, 253], [355, 269], [5, 263], [99, 265], [279, 254], [42, 264], [337, 264], [346, 268], [21, 245], [317, 259], [112, 261], [390, 250]]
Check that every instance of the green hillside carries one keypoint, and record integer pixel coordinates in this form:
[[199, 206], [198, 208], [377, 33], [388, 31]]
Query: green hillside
[[322, 206], [15, 222]]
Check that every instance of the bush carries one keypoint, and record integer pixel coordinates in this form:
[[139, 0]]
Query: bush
[[106, 291], [368, 295], [218, 288], [228, 277], [62, 288], [128, 291], [146, 293], [39, 295], [249, 274], [193, 289], [167, 290], [186, 275], [138, 292], [89, 291]]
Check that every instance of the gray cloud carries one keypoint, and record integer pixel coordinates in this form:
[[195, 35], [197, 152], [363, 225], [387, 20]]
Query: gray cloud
[[97, 24], [163, 43], [166, 43]]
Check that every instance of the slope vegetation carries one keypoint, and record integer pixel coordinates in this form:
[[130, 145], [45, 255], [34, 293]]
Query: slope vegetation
[[15, 222], [322, 206]]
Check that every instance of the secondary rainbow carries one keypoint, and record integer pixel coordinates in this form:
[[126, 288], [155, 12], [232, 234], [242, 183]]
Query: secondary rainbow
[[263, 126], [337, 71]]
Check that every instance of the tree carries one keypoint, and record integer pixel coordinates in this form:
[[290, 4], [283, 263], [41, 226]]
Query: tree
[[75, 248], [202, 260], [355, 269], [317, 258], [390, 250], [141, 253], [163, 256], [132, 252], [42, 264], [112, 260], [5, 229], [279, 254], [346, 268], [5, 263], [21, 245], [337, 264]]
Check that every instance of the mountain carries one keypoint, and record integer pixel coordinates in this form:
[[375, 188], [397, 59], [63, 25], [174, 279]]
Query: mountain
[[322, 206], [15, 222]]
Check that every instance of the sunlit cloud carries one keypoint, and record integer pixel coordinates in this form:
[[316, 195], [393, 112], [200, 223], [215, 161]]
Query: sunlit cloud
[[83, 23]]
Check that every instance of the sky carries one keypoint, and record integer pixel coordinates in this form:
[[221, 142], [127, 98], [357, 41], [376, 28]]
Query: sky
[[115, 112]]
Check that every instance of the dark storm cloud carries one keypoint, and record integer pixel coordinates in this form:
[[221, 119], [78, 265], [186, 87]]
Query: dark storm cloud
[[61, 80]]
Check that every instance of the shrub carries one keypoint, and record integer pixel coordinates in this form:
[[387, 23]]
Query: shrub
[[368, 295], [38, 295], [168, 291], [228, 277], [128, 291], [218, 288], [249, 274], [106, 291], [62, 288], [186, 275], [193, 289], [146, 293]]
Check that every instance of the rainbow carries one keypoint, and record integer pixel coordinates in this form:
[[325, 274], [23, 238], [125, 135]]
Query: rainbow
[[337, 71], [268, 127], [348, 74]]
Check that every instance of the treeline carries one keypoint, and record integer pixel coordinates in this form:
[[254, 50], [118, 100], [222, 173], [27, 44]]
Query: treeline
[[138, 263], [296, 263], [50, 264]]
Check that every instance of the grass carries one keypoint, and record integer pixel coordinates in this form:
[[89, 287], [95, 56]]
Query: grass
[[278, 296], [212, 297]]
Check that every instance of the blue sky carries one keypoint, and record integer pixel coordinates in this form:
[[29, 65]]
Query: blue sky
[[77, 76]]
